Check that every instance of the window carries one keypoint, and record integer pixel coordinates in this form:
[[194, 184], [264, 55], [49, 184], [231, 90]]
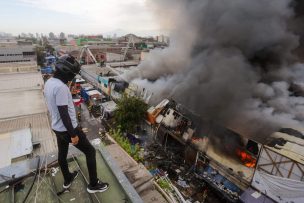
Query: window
[[31, 53]]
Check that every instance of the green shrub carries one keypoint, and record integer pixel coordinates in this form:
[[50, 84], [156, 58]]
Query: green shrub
[[163, 184], [130, 111], [132, 150]]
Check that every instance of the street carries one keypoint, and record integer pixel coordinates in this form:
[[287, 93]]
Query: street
[[90, 124]]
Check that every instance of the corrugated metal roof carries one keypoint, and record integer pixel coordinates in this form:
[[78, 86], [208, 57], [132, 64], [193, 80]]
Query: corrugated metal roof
[[40, 128], [21, 81], [21, 103]]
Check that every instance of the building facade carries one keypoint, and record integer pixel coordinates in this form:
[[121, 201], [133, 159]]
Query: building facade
[[12, 54]]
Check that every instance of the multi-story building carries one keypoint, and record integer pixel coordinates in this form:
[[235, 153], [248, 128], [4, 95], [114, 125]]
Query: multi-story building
[[163, 39], [15, 53], [51, 35], [62, 35]]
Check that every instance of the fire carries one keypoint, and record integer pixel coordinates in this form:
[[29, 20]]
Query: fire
[[247, 159]]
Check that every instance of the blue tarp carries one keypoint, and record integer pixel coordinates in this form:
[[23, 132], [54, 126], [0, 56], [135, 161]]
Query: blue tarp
[[47, 70], [84, 95], [50, 58]]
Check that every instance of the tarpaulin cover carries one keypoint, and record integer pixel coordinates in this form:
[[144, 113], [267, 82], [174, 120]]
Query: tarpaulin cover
[[278, 188]]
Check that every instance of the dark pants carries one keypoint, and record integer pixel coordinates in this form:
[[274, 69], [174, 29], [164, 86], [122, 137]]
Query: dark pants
[[63, 140]]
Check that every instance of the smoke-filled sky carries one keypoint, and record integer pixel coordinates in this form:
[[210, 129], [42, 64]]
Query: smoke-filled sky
[[230, 61]]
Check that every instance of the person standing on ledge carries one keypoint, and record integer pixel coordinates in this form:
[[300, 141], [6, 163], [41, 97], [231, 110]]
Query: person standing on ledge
[[64, 123]]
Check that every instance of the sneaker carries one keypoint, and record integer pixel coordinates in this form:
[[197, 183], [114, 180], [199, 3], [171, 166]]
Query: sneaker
[[66, 185], [99, 187]]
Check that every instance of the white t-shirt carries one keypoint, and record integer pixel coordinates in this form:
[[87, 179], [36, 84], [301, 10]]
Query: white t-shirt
[[58, 94]]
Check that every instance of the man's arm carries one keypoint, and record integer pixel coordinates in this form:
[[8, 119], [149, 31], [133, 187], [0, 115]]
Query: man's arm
[[65, 117], [66, 120]]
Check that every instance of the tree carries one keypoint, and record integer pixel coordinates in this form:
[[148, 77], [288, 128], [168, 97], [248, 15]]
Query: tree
[[40, 55], [130, 111], [49, 48], [42, 50]]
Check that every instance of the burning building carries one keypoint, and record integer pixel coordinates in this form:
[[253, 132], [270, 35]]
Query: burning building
[[231, 62], [233, 155], [219, 155], [237, 64], [235, 165]]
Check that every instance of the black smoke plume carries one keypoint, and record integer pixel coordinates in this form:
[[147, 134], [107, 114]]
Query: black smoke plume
[[231, 61]]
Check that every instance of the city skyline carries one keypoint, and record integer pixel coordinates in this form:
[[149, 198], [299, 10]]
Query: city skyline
[[72, 17]]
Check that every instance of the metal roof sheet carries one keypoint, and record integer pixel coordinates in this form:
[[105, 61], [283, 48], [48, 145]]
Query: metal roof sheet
[[21, 143], [15, 144], [40, 128]]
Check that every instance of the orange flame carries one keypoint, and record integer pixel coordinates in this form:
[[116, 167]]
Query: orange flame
[[247, 159]]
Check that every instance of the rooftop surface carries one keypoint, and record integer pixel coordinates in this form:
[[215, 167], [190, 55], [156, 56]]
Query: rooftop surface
[[49, 182], [20, 81], [21, 95], [21, 103], [95, 70], [23, 106]]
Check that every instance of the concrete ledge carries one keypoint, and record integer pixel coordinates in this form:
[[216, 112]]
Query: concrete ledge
[[126, 185]]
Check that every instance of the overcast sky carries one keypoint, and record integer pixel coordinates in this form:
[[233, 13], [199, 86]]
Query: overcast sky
[[78, 17]]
